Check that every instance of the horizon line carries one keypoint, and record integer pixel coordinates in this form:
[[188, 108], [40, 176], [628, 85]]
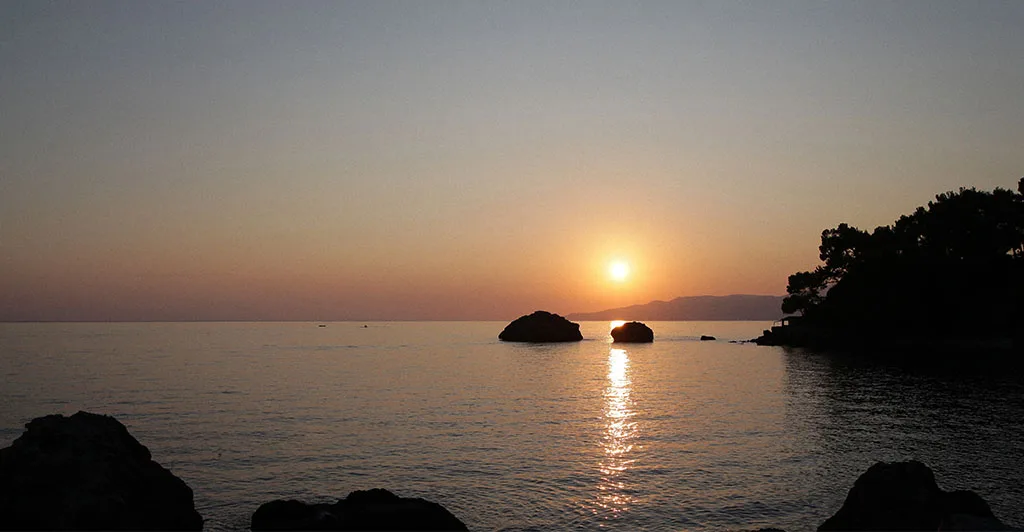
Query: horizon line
[[28, 322]]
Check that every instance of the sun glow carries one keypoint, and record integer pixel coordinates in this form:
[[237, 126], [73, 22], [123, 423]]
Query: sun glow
[[619, 270]]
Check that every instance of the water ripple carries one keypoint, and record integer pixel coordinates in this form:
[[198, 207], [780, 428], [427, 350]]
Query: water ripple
[[679, 434]]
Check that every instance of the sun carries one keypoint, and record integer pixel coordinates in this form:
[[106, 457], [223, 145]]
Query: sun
[[619, 270]]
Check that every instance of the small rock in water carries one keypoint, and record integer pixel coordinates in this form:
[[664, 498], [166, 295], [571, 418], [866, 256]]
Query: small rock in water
[[904, 496], [541, 326], [632, 332], [376, 509]]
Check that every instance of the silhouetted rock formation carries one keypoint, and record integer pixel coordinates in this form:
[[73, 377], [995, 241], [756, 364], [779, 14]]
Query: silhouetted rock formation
[[541, 326], [86, 472], [633, 332], [375, 509], [693, 308], [707, 338], [904, 496]]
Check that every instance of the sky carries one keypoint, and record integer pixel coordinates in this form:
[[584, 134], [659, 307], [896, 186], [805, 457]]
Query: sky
[[474, 160]]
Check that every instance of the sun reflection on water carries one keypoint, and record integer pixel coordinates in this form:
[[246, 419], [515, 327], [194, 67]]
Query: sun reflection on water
[[620, 433]]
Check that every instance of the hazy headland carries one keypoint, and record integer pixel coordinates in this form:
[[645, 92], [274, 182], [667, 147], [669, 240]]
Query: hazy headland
[[694, 308]]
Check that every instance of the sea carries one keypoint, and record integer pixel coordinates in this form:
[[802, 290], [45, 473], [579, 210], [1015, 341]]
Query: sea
[[679, 434]]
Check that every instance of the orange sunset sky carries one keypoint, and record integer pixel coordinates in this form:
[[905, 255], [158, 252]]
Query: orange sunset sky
[[474, 160]]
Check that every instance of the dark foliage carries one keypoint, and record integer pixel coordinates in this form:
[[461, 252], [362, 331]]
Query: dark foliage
[[952, 269]]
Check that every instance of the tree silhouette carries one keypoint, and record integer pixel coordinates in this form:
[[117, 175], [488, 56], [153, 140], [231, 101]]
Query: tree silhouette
[[954, 267]]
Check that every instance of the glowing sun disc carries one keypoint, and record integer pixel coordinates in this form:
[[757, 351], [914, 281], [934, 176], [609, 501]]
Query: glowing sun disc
[[619, 270]]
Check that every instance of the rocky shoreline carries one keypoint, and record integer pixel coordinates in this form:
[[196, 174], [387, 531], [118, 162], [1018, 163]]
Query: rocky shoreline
[[798, 333], [86, 472]]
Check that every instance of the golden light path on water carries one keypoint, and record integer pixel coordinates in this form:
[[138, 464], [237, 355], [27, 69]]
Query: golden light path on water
[[620, 432]]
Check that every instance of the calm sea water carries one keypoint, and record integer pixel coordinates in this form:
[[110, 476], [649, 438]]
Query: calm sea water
[[678, 434]]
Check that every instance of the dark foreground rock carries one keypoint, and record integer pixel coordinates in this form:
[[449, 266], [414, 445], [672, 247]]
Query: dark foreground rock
[[707, 338], [86, 472], [541, 326], [904, 496], [375, 509], [633, 332]]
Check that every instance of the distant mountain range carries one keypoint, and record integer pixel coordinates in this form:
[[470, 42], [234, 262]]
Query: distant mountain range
[[694, 308]]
